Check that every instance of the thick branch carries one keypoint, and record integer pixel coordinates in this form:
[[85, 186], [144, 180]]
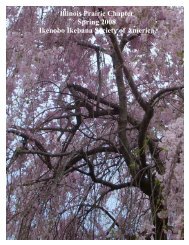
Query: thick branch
[[142, 135], [128, 76], [92, 96], [134, 89]]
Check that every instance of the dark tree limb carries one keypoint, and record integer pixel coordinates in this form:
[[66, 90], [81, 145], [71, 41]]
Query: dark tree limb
[[143, 136], [99, 79], [92, 96], [92, 46]]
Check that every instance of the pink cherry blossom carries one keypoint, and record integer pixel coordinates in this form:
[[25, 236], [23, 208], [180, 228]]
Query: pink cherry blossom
[[95, 124]]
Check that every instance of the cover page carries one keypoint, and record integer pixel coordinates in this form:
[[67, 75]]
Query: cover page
[[95, 122]]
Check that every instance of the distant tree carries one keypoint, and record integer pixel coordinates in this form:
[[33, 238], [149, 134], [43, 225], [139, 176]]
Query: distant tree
[[95, 125]]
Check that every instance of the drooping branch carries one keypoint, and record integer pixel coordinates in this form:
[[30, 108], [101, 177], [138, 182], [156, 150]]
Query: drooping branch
[[105, 211], [162, 92], [31, 152], [46, 159]]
